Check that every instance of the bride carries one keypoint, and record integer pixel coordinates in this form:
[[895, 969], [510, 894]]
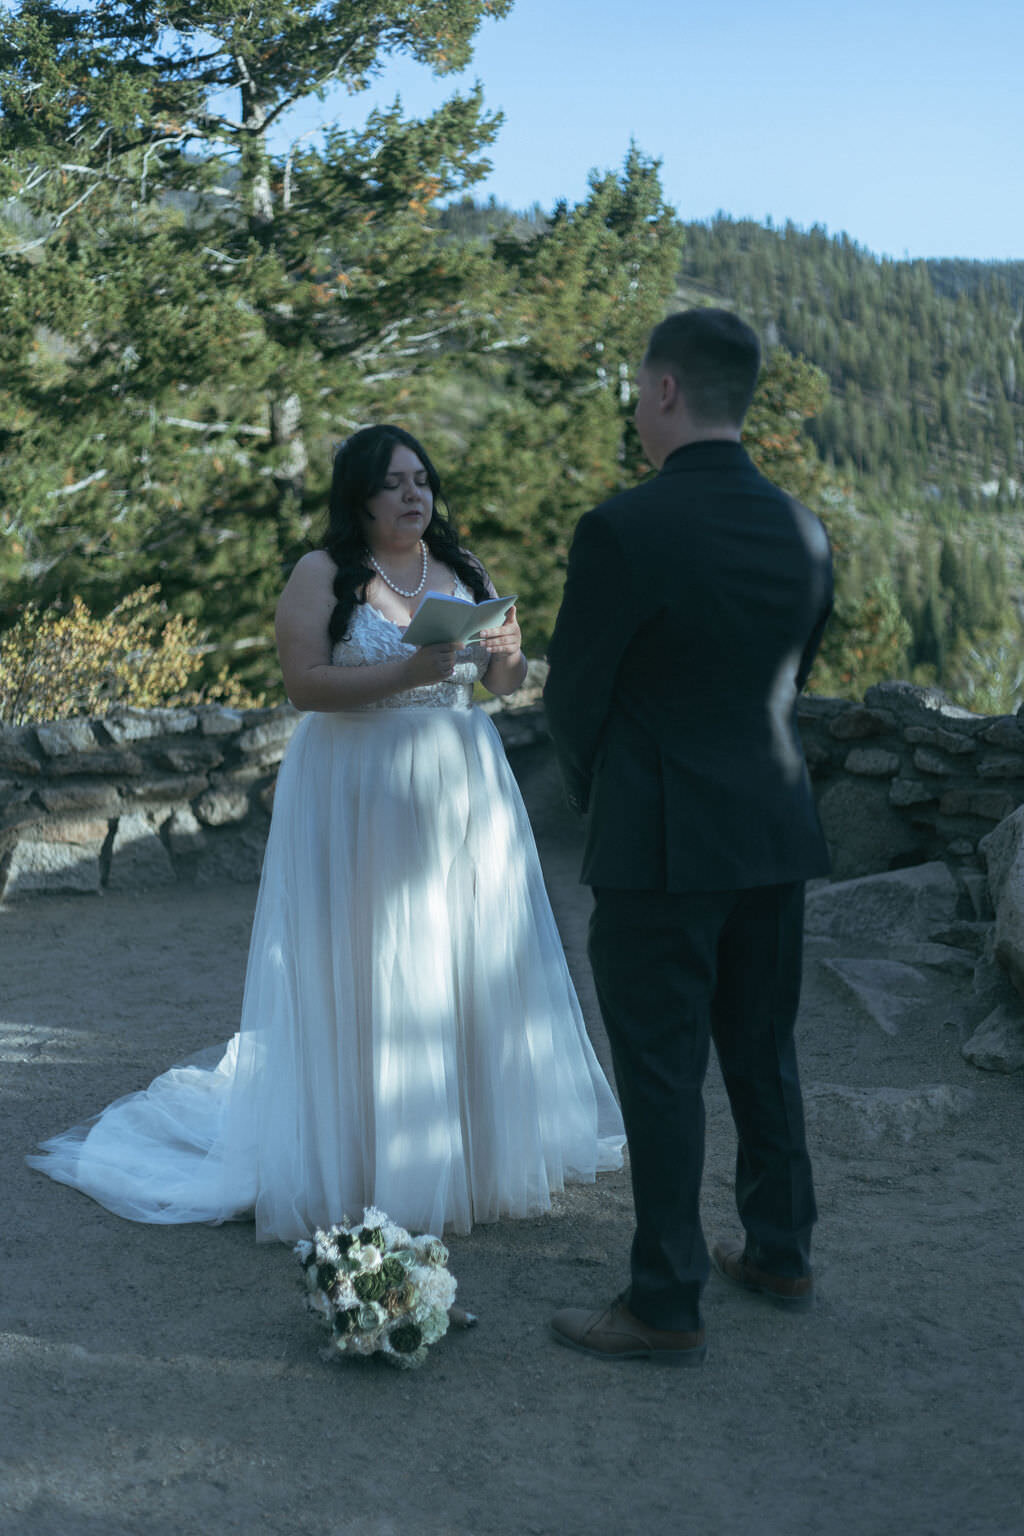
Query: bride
[[410, 1038]]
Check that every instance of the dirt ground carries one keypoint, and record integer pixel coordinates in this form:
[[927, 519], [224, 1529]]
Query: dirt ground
[[159, 1380]]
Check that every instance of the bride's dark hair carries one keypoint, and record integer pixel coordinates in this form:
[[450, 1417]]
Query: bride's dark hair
[[360, 468]]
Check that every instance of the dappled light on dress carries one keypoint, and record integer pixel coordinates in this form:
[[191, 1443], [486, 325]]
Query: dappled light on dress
[[410, 1038]]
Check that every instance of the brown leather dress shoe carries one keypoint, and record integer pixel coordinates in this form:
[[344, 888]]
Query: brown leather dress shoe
[[793, 1292], [616, 1334]]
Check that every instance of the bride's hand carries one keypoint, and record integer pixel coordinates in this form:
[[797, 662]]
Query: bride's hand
[[431, 664], [506, 640]]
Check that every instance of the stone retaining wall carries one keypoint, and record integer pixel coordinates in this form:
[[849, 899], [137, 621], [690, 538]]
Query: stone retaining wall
[[147, 797], [906, 777]]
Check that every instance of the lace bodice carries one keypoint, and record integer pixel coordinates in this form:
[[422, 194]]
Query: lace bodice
[[373, 638]]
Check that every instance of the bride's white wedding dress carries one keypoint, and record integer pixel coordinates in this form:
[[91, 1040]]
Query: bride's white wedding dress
[[410, 1037]]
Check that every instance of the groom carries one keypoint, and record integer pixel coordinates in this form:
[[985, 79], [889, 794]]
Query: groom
[[693, 608]]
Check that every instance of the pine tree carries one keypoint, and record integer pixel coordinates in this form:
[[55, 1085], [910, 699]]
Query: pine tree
[[553, 434], [197, 318], [790, 392]]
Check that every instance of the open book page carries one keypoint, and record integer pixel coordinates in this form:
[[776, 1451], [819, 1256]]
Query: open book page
[[441, 618]]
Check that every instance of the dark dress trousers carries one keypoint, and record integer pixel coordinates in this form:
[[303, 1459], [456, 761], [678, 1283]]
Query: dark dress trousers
[[694, 605]]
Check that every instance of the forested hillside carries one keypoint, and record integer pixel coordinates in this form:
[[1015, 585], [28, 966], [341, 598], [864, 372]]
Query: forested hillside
[[925, 359], [923, 428]]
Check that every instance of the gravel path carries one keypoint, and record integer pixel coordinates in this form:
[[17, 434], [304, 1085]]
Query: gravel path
[[167, 1380]]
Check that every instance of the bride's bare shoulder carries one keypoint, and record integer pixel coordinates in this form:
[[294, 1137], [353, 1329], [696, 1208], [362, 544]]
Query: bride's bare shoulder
[[316, 565], [310, 585], [314, 571]]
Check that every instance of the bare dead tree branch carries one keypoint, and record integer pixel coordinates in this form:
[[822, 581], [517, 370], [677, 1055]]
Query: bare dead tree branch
[[31, 245], [79, 485], [286, 195], [214, 426]]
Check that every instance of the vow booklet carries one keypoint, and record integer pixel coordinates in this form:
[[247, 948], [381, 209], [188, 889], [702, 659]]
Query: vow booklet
[[440, 619]]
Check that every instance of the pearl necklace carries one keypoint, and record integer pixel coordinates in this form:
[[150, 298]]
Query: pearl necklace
[[386, 579]]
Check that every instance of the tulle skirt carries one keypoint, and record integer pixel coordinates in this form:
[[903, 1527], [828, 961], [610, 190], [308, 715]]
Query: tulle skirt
[[410, 1037]]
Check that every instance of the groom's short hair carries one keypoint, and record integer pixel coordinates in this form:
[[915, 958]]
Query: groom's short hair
[[714, 357]]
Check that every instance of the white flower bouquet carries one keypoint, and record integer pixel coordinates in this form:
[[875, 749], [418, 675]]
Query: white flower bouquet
[[378, 1289]]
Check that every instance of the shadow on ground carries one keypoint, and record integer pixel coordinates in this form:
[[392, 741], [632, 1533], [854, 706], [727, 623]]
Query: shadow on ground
[[167, 1380]]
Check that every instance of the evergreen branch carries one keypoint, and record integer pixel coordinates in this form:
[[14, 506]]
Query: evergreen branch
[[209, 122]]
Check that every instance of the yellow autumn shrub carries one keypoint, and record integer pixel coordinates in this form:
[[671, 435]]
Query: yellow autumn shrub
[[55, 665]]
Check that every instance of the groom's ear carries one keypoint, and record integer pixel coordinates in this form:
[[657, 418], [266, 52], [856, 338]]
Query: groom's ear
[[668, 391]]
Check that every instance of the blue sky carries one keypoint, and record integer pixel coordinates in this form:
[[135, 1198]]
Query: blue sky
[[900, 123]]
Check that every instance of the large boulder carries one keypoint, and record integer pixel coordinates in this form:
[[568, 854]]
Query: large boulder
[[1003, 852], [905, 906], [54, 856], [886, 991], [863, 831], [138, 858], [997, 1045]]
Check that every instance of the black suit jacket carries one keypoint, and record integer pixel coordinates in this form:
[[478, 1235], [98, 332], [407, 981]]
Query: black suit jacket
[[693, 608]]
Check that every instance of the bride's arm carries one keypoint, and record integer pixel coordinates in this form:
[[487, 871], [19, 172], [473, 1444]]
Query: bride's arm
[[506, 670], [311, 680], [507, 667]]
